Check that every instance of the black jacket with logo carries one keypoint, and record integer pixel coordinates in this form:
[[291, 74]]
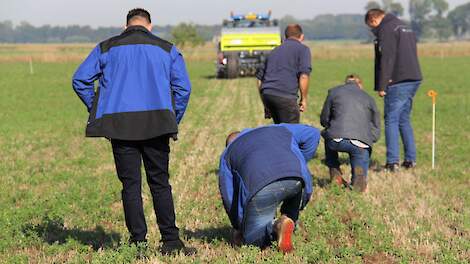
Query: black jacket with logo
[[396, 56]]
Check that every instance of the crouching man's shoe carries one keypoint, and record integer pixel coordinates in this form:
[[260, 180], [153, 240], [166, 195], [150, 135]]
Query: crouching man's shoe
[[176, 247], [336, 177], [359, 182], [284, 228]]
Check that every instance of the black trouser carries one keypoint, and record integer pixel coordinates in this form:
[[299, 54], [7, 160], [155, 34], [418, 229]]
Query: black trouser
[[283, 110], [128, 156]]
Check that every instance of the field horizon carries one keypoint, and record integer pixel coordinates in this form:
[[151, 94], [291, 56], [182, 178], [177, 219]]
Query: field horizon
[[61, 202]]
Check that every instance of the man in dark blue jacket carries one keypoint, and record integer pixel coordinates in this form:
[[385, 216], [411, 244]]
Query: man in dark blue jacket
[[261, 168], [285, 73], [142, 96], [397, 78]]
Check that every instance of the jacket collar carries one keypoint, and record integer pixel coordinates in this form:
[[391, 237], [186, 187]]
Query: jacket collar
[[136, 28], [352, 83], [387, 18]]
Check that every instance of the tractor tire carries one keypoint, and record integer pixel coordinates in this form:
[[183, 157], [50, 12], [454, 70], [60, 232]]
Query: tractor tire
[[232, 66]]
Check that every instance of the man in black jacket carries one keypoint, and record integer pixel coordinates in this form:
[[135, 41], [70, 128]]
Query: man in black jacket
[[397, 78], [352, 125]]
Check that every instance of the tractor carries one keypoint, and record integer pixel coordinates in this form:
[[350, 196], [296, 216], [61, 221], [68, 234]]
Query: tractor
[[245, 42]]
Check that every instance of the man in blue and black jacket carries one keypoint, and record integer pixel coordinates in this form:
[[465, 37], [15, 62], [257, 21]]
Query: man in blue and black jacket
[[142, 95], [260, 169]]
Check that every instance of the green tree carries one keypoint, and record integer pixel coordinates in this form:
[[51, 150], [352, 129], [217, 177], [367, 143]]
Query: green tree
[[396, 9], [186, 34], [388, 6], [427, 18], [460, 20], [441, 28], [372, 5], [419, 11], [440, 7]]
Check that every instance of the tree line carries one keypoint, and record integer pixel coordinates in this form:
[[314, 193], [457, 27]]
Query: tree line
[[430, 19]]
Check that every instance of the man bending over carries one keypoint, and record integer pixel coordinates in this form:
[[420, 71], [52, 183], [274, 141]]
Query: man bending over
[[260, 169]]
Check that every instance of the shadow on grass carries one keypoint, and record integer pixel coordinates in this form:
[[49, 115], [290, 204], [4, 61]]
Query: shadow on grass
[[53, 231], [322, 182], [212, 171], [211, 234], [210, 77]]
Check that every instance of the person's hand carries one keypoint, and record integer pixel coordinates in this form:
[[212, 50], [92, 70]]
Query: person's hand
[[382, 93], [303, 105], [267, 113]]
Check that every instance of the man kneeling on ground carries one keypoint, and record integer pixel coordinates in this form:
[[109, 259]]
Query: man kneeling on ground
[[352, 125], [260, 169]]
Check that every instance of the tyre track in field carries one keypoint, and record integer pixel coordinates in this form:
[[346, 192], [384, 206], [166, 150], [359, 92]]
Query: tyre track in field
[[181, 150], [195, 158]]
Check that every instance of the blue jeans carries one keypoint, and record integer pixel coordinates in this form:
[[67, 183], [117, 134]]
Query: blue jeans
[[261, 210], [359, 157], [398, 104]]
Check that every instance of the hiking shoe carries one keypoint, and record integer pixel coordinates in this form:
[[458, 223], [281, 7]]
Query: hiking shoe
[[170, 248], [392, 167], [336, 177], [408, 164], [360, 181], [284, 228]]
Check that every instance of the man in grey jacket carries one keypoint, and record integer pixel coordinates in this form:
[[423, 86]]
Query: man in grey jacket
[[352, 125]]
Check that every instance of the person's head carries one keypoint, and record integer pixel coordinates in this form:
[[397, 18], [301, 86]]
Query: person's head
[[374, 17], [231, 137], [294, 31], [139, 17], [354, 78]]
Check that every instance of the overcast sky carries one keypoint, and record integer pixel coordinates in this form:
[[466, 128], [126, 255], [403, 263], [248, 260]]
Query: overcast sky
[[113, 12]]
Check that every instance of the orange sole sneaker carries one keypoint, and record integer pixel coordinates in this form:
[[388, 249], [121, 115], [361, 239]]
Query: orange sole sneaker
[[285, 238]]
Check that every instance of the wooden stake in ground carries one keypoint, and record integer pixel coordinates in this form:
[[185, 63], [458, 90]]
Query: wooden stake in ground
[[433, 95], [31, 68]]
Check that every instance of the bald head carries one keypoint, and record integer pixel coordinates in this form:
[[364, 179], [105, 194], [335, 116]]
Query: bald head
[[231, 137]]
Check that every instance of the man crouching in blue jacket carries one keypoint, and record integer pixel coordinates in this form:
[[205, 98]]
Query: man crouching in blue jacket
[[260, 169]]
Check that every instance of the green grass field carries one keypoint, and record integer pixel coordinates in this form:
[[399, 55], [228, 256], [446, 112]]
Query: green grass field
[[60, 197]]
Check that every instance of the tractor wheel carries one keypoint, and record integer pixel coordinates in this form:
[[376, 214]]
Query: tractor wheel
[[232, 66]]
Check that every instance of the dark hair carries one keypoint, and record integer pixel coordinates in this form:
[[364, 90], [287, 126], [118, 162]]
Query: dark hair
[[373, 13], [293, 30], [138, 12]]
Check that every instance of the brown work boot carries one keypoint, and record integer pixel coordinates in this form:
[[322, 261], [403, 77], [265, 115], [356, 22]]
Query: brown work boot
[[360, 181], [336, 177], [284, 228]]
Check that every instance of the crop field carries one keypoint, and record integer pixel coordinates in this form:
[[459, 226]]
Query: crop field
[[60, 199]]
